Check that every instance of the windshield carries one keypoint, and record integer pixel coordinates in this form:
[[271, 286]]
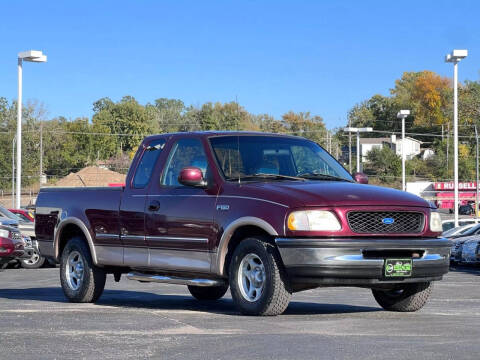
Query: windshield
[[274, 157]]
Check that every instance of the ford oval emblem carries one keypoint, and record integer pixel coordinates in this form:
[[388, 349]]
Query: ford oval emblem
[[388, 221]]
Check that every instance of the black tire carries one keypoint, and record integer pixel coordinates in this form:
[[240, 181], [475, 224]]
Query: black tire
[[275, 292], [35, 262], [405, 298], [208, 293], [92, 280]]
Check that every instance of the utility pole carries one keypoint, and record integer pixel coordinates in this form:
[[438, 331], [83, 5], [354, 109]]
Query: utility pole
[[329, 142]]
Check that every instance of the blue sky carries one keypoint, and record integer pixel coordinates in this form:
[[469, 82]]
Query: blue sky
[[274, 56]]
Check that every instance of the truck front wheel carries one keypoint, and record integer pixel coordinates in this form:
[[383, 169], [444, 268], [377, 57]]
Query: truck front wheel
[[257, 279], [81, 280], [404, 298]]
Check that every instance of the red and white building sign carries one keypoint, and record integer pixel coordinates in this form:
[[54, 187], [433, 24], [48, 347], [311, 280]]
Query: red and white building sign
[[449, 186]]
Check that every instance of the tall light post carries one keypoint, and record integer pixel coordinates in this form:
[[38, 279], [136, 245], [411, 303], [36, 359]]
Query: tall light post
[[454, 57], [13, 170], [402, 114], [476, 171], [358, 131], [31, 56]]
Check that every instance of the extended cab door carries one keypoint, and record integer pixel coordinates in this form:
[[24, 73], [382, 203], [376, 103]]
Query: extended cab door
[[132, 207], [179, 219]]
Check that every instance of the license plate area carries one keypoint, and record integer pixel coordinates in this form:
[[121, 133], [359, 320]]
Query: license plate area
[[396, 268]]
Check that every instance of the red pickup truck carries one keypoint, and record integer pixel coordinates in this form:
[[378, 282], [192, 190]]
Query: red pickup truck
[[267, 215]]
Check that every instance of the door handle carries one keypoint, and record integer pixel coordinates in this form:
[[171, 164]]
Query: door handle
[[154, 205]]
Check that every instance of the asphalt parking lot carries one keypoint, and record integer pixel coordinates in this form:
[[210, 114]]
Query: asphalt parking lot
[[134, 320]]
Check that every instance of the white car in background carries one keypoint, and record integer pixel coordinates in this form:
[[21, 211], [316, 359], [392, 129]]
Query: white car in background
[[450, 224], [457, 231]]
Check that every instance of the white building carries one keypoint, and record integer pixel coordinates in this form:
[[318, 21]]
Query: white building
[[412, 146]]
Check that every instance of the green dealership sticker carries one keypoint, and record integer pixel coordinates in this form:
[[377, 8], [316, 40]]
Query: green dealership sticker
[[398, 267]]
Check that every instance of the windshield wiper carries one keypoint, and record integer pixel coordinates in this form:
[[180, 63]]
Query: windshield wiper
[[267, 176], [314, 176]]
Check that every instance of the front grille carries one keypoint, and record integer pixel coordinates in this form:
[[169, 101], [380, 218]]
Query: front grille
[[373, 222]]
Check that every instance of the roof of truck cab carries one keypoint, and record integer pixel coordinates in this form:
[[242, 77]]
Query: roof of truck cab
[[211, 133]]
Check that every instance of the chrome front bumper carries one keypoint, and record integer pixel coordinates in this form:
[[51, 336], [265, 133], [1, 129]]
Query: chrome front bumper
[[361, 261]]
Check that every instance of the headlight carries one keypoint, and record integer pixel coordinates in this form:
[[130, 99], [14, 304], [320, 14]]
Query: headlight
[[313, 220], [435, 222]]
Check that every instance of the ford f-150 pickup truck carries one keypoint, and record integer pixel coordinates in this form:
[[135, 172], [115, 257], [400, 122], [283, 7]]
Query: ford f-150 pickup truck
[[266, 215]]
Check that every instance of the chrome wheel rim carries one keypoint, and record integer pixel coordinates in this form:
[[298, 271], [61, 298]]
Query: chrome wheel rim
[[251, 277], [74, 270], [33, 260]]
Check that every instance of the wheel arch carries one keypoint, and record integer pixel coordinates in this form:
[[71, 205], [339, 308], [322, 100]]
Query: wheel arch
[[68, 228], [234, 233]]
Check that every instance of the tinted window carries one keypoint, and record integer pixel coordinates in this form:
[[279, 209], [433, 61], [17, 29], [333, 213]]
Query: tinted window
[[186, 152], [147, 163]]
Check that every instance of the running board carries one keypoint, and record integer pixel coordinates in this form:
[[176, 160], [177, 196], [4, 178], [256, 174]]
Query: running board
[[174, 280]]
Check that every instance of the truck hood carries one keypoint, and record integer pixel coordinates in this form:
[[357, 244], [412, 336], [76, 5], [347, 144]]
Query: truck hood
[[336, 193]]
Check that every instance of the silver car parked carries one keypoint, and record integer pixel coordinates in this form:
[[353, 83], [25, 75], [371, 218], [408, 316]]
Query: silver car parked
[[471, 250]]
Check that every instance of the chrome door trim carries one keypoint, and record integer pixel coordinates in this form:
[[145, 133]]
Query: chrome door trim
[[133, 237], [106, 236], [176, 238]]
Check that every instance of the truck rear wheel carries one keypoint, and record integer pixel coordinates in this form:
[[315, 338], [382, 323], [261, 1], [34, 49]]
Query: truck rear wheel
[[81, 280], [257, 279], [208, 293], [404, 298]]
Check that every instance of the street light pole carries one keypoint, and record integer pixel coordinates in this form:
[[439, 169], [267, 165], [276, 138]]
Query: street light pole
[[402, 114], [32, 56], [13, 170], [454, 57], [476, 170], [358, 131], [19, 134], [358, 151], [349, 148]]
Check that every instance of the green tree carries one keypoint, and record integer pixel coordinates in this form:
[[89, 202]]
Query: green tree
[[384, 163], [306, 125], [127, 121]]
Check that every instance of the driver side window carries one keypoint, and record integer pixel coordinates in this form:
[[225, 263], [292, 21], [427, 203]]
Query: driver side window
[[186, 152]]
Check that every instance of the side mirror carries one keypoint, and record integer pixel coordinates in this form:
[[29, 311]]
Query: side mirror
[[191, 176], [360, 178]]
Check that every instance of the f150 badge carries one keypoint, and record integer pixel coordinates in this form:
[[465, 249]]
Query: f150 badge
[[223, 207]]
